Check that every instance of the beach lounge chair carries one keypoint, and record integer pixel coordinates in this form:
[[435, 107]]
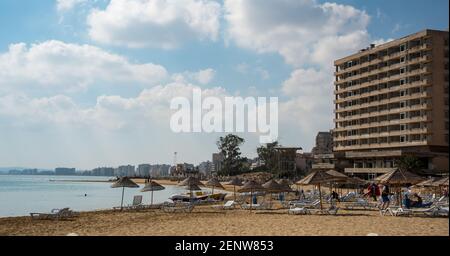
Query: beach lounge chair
[[360, 203], [262, 206], [442, 211], [178, 207], [332, 210], [313, 204], [297, 210], [55, 214], [227, 206], [137, 204]]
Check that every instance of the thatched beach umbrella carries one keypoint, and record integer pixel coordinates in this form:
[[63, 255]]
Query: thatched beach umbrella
[[398, 178], [251, 186], [191, 184], [285, 185], [340, 178], [441, 182], [317, 178], [272, 187], [214, 183], [123, 183], [235, 182], [152, 186]]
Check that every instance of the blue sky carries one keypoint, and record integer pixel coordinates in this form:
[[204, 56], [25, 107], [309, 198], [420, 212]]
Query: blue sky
[[87, 83]]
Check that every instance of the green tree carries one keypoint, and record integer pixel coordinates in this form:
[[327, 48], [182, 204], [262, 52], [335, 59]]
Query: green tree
[[268, 154], [232, 160], [410, 164]]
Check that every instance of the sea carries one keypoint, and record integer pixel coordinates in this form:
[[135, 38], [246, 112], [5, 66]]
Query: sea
[[22, 194]]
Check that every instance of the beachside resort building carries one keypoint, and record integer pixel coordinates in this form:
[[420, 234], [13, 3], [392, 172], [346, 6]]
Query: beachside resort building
[[125, 170], [390, 101], [64, 171]]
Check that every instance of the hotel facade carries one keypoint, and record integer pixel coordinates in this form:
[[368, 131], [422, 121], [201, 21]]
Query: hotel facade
[[390, 101]]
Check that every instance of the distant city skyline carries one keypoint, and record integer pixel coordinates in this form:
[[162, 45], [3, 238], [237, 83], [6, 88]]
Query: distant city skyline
[[85, 83]]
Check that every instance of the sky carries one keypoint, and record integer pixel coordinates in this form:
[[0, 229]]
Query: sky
[[87, 83]]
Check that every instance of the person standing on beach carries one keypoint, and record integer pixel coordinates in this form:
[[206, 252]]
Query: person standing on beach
[[385, 197]]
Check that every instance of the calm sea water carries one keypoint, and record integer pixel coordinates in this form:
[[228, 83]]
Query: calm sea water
[[22, 194]]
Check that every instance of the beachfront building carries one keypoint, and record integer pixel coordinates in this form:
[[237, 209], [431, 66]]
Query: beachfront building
[[143, 170], [217, 162], [125, 170], [102, 171], [205, 168], [286, 161], [64, 171], [324, 143], [390, 101]]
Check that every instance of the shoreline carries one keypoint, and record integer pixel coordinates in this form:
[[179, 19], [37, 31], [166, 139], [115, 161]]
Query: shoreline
[[206, 221]]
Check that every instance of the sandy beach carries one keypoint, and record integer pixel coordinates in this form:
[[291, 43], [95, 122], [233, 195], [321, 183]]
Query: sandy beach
[[206, 221]]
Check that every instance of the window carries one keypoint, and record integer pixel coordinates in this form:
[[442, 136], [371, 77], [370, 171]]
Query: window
[[402, 47], [403, 104], [402, 127], [402, 59], [403, 138], [403, 70], [403, 93], [402, 116]]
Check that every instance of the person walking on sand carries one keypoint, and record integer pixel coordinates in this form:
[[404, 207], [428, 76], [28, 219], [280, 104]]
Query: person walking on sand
[[385, 197]]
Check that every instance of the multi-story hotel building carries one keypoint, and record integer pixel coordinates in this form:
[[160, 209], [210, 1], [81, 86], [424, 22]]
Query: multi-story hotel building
[[391, 100]]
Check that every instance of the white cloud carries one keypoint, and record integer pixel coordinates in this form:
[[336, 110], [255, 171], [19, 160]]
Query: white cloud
[[154, 23], [295, 29], [66, 5], [204, 76], [62, 67]]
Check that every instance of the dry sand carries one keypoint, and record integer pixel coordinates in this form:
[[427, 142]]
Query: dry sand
[[206, 221]]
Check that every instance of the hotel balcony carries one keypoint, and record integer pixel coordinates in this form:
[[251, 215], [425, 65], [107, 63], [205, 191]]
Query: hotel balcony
[[381, 145], [368, 170], [321, 166]]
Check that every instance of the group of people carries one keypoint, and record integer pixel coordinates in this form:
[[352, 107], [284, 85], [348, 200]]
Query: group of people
[[410, 200]]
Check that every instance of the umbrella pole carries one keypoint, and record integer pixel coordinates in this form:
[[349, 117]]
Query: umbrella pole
[[152, 199], [234, 189], [320, 198], [121, 202], [251, 199]]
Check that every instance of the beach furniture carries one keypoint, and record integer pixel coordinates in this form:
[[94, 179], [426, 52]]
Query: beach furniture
[[262, 206], [306, 204], [137, 204], [332, 210], [360, 203], [227, 206], [297, 210], [55, 214], [177, 207]]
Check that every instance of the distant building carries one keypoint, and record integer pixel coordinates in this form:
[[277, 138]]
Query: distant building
[[159, 170], [205, 168], [103, 171], [303, 162], [217, 162], [64, 171], [143, 170], [184, 170], [324, 143], [286, 160], [125, 170]]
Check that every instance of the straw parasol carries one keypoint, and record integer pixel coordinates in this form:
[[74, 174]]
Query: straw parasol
[[214, 183], [428, 183], [123, 183], [285, 185], [441, 182], [398, 178], [152, 186], [191, 184], [251, 186], [316, 178], [235, 182]]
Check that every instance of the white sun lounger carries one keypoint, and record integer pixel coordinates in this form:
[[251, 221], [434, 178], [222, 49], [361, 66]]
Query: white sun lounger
[[227, 206], [298, 210], [55, 214]]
